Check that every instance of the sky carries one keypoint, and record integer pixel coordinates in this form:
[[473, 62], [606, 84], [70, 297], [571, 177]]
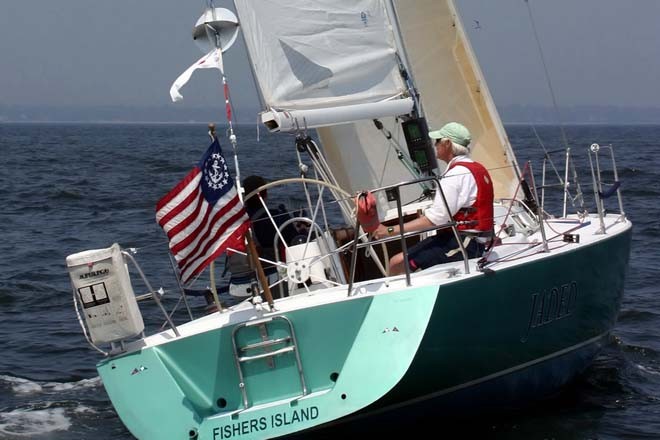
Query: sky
[[128, 52]]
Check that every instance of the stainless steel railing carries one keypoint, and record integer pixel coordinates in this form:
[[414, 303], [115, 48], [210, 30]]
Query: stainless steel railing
[[394, 194], [596, 177]]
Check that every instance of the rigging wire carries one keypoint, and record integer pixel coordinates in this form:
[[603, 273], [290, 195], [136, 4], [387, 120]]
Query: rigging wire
[[547, 75], [547, 154], [578, 196]]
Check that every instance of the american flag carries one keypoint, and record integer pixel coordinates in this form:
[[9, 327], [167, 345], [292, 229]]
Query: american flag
[[203, 216]]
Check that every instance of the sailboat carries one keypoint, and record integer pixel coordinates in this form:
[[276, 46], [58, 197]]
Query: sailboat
[[368, 78]]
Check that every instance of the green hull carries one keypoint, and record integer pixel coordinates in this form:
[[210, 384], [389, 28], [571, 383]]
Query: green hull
[[510, 323], [369, 352]]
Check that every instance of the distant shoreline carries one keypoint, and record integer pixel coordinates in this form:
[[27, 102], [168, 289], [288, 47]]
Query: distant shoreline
[[514, 114], [222, 124], [243, 124]]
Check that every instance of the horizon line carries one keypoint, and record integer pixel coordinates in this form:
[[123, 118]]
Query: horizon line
[[105, 122]]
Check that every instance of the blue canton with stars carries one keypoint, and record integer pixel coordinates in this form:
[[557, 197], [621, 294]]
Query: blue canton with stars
[[216, 180]]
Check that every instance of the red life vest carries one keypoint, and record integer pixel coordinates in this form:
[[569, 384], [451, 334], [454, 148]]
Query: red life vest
[[479, 216]]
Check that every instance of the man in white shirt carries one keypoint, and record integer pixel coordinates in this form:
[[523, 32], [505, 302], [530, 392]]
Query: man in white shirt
[[468, 190]]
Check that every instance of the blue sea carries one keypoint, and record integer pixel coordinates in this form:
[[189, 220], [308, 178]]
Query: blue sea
[[71, 187]]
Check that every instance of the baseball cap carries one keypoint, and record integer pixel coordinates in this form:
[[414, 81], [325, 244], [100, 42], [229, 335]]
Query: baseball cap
[[453, 131]]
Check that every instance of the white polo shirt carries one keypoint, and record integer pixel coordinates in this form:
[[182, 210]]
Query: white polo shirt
[[459, 188]]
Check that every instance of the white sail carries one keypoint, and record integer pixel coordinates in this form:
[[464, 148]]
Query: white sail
[[452, 86], [313, 54], [447, 76]]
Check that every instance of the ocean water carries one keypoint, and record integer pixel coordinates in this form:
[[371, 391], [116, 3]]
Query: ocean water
[[71, 187]]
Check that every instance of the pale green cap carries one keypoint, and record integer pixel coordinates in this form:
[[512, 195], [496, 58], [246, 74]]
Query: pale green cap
[[453, 131]]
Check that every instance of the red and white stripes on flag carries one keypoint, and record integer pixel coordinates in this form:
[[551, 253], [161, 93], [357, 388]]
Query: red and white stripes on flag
[[202, 215]]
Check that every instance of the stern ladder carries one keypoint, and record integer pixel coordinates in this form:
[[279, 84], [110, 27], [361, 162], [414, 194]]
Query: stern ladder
[[270, 346]]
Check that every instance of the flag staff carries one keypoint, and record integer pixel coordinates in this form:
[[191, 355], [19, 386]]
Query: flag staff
[[213, 59], [214, 289], [253, 255], [219, 28]]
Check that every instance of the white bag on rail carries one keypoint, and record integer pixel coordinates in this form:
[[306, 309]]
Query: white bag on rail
[[103, 288]]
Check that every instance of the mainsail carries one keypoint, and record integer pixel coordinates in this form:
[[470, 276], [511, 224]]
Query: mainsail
[[338, 65], [315, 54]]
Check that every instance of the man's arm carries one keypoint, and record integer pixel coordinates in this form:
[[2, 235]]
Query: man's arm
[[417, 224]]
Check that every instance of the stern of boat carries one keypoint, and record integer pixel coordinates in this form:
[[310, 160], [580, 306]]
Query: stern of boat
[[267, 377]]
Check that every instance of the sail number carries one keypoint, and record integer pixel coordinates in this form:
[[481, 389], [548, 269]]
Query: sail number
[[551, 305]]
